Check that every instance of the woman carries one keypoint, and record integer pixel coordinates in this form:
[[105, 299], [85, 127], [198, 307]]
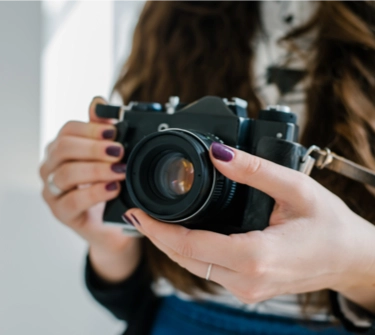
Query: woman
[[317, 252]]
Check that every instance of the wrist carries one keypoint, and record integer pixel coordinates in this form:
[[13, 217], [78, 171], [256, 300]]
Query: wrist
[[356, 282], [113, 265]]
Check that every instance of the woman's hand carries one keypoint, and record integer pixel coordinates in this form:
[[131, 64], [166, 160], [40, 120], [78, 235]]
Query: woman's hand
[[314, 241], [84, 162]]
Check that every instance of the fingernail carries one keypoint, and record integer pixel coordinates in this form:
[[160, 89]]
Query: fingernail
[[118, 168], [111, 186], [108, 134], [113, 151], [127, 219], [136, 220], [221, 152]]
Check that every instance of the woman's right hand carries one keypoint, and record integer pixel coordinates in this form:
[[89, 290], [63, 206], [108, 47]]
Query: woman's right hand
[[85, 164]]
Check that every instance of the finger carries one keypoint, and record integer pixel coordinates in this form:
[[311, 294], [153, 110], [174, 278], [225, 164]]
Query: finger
[[75, 203], [218, 274], [72, 174], [228, 251], [91, 130], [92, 115], [233, 281], [69, 148], [279, 182]]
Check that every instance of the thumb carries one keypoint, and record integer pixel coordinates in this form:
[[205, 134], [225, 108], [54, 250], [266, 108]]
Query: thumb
[[92, 115], [279, 182]]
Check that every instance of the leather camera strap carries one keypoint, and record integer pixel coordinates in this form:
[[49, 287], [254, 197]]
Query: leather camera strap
[[324, 158]]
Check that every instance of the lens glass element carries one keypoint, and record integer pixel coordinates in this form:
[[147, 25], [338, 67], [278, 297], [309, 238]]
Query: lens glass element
[[174, 175]]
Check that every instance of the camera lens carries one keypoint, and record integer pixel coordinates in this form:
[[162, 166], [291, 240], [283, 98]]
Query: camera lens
[[174, 175], [170, 176]]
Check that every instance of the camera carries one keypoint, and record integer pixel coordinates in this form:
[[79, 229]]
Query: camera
[[169, 174]]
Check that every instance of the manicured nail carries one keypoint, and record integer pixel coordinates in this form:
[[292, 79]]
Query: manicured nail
[[118, 168], [136, 220], [221, 152], [108, 134], [113, 151], [127, 219], [111, 186]]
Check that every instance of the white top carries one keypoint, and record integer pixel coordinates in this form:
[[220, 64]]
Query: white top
[[276, 86]]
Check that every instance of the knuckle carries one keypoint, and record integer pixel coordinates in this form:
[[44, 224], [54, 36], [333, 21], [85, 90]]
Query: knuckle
[[72, 202], [67, 127], [185, 249], [56, 211], [96, 171], [52, 148], [252, 165], [93, 130], [95, 150], [249, 261], [59, 146], [93, 196], [258, 268], [46, 195], [303, 188], [62, 176], [49, 150], [252, 295], [246, 293], [175, 257], [42, 171], [49, 147], [255, 268], [53, 206]]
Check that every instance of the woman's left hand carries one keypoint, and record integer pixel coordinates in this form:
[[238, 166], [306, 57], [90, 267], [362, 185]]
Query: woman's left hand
[[314, 241]]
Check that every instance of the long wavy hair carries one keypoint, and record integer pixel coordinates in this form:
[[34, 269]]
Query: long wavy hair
[[192, 49]]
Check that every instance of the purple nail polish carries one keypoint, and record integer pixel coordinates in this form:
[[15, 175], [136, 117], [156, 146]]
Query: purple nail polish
[[118, 168], [108, 134], [114, 151], [221, 152], [136, 220], [127, 219], [111, 186]]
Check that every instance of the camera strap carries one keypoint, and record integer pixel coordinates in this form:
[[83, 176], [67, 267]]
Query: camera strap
[[325, 158]]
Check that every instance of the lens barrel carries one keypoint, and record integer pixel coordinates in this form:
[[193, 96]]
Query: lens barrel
[[170, 176]]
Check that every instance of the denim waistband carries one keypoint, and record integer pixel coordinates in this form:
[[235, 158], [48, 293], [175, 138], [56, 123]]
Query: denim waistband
[[176, 316]]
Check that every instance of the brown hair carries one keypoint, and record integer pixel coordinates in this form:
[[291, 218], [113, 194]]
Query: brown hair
[[193, 49]]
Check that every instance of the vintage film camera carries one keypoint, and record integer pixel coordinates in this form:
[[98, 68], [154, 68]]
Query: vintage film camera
[[169, 173]]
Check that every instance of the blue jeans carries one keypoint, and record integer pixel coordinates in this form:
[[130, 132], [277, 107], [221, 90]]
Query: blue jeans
[[179, 317]]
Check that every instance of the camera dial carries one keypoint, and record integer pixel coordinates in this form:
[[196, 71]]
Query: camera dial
[[278, 113]]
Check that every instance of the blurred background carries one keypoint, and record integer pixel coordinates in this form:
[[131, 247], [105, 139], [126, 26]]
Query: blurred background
[[54, 57]]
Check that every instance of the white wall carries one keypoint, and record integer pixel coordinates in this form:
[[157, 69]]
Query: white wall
[[20, 40], [41, 261]]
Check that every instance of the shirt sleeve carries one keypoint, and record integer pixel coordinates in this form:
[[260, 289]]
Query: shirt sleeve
[[353, 317], [131, 300]]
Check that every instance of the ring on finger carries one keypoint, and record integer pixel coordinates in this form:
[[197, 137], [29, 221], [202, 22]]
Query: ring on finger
[[56, 191], [209, 272]]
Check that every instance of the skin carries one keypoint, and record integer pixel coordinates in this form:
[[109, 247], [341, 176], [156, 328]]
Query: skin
[[78, 157], [314, 241]]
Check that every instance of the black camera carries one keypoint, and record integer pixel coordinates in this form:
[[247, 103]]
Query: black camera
[[169, 174]]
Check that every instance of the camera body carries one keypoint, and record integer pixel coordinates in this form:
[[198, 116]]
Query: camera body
[[169, 173]]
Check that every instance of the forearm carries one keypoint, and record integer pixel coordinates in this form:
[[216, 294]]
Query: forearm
[[114, 266]]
